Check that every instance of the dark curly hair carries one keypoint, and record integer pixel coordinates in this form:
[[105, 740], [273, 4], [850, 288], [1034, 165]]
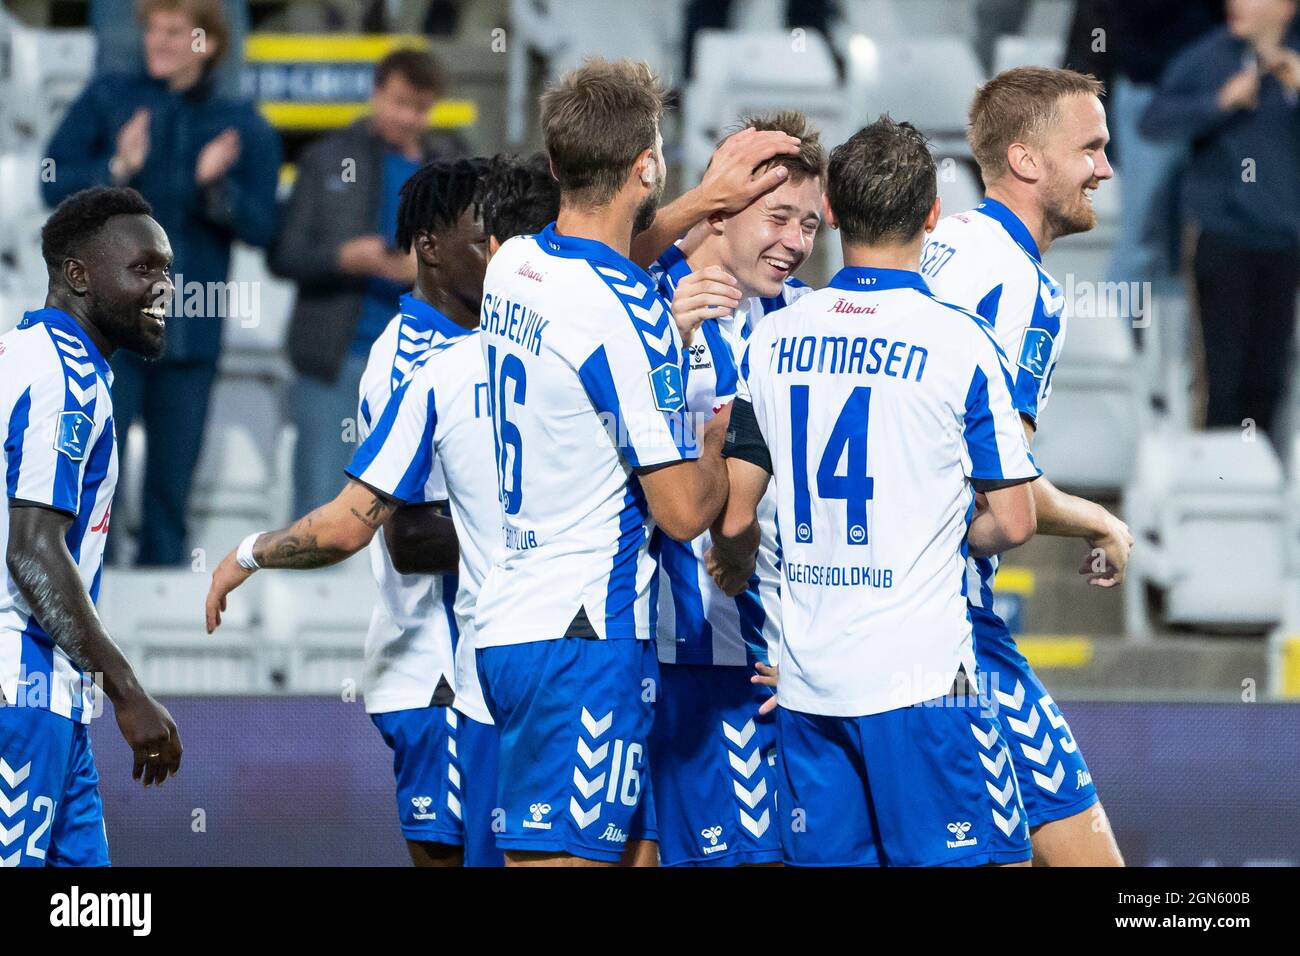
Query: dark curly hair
[[518, 196], [435, 197], [80, 217]]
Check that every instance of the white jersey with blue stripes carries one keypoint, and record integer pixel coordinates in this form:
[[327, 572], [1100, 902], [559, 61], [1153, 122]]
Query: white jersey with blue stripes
[[585, 379], [410, 644], [56, 416], [698, 623], [438, 421], [882, 410], [987, 262]]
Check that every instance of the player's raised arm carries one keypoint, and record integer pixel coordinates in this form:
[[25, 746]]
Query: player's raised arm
[[330, 534], [47, 577], [729, 185]]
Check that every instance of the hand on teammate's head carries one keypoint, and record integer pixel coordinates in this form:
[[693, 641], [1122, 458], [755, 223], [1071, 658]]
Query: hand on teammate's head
[[731, 183]]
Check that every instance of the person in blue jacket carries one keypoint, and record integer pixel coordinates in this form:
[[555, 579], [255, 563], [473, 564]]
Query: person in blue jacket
[[209, 166]]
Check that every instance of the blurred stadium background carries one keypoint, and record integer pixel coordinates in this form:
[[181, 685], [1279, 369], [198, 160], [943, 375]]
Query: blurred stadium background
[[1177, 687]]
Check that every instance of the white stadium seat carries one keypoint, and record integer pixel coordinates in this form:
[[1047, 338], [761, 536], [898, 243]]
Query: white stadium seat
[[1092, 423], [738, 73], [320, 619], [1019, 50], [157, 616], [926, 80], [41, 73], [1209, 513]]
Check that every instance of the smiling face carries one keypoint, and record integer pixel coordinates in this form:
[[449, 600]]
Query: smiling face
[[767, 241], [125, 271], [1074, 164]]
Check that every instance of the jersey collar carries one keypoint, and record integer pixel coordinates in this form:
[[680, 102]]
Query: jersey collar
[[673, 263], [1012, 224], [430, 318], [64, 322], [575, 247], [861, 279]]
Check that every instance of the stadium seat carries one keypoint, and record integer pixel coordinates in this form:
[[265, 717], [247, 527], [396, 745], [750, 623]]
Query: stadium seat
[[41, 73], [563, 34], [1049, 18], [1020, 50], [1209, 514], [926, 80], [23, 277], [959, 186], [157, 616], [250, 339], [234, 470], [1093, 420], [738, 73], [319, 622], [20, 172]]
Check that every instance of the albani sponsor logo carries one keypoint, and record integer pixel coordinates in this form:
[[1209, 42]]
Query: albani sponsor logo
[[528, 272], [843, 305]]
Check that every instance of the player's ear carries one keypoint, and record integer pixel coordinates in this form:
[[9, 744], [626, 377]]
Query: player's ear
[[494, 245], [426, 249], [933, 216], [1023, 162], [647, 167], [828, 214], [74, 275]]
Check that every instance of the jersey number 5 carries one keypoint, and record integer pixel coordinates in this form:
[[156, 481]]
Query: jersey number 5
[[847, 443], [509, 442]]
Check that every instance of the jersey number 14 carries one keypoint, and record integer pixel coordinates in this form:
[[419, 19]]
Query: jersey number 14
[[847, 443]]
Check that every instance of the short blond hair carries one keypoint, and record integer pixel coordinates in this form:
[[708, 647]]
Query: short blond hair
[[596, 120], [1017, 106]]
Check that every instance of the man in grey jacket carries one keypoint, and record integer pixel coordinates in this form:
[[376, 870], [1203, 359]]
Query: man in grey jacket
[[337, 242]]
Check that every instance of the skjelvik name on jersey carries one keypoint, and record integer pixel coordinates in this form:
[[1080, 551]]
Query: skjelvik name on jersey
[[514, 321], [841, 355]]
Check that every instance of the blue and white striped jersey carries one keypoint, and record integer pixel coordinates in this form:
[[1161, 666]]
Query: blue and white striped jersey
[[698, 623], [585, 378], [56, 415], [438, 419], [411, 640], [882, 410], [987, 262]]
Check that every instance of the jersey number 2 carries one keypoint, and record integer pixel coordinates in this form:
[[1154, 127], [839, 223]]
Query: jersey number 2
[[847, 443]]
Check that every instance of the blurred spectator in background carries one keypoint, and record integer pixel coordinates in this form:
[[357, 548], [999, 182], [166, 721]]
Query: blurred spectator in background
[[117, 41], [1233, 95], [209, 166], [1142, 37], [338, 243], [714, 15]]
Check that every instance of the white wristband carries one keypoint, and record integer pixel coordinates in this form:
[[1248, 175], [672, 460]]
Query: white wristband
[[245, 553]]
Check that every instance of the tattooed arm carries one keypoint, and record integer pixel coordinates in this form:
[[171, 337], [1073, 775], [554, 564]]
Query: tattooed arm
[[328, 535], [47, 577]]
